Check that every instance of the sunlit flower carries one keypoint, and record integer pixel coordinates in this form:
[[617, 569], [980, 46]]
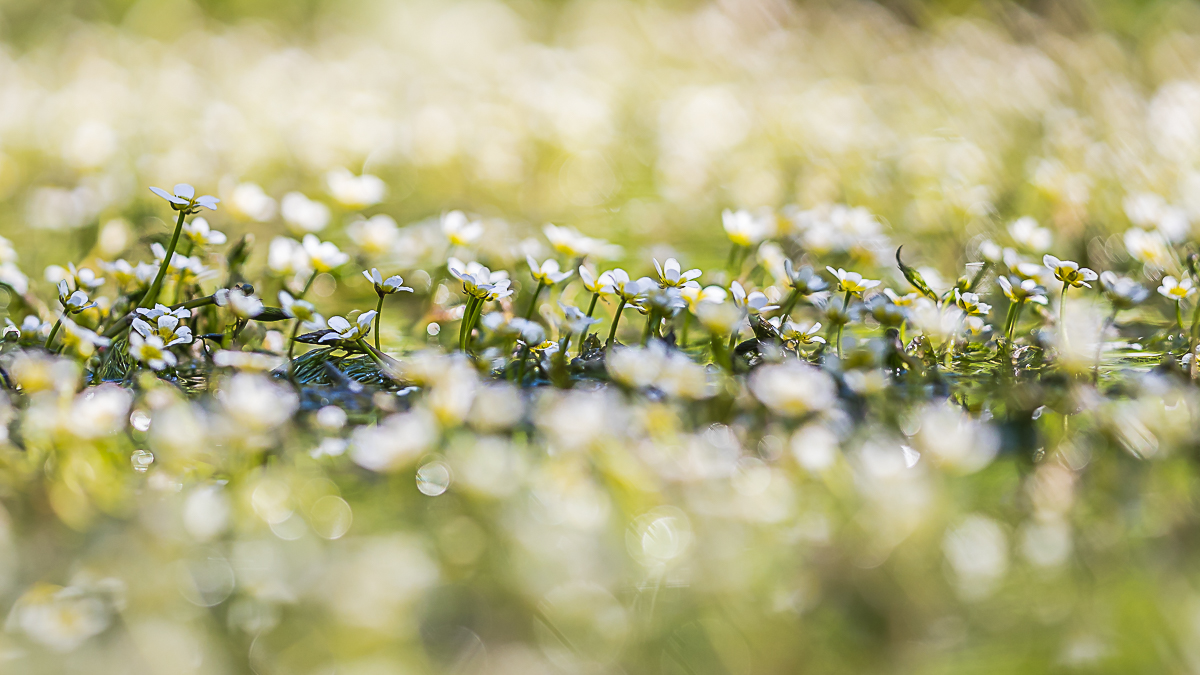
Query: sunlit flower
[[1122, 292], [852, 282], [185, 199], [905, 300], [376, 236], [302, 310], [80, 340], [200, 234], [165, 324], [574, 320], [1027, 289], [355, 192], [59, 618], [804, 280], [802, 333], [1068, 272], [1026, 232], [81, 278], [1174, 289], [250, 200], [303, 213], [753, 302], [342, 329], [1148, 247], [393, 284], [73, 303], [323, 256], [745, 228], [548, 273], [460, 230], [568, 242], [969, 303], [151, 351], [669, 274], [593, 283], [625, 288], [694, 295], [479, 281], [793, 389], [244, 305]]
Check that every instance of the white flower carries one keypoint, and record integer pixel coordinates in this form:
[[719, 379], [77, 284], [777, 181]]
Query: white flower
[[548, 272], [73, 303], [1148, 247], [393, 284], [82, 341], [199, 232], [59, 618], [78, 278], [286, 256], [1069, 272], [574, 320], [1026, 232], [459, 229], [251, 201], [567, 241], [1027, 290], [150, 351], [376, 235], [355, 191], [625, 288], [669, 274], [12, 275], [322, 255], [694, 295], [164, 324], [185, 198], [342, 329], [1176, 289], [852, 282], [302, 310], [804, 334], [396, 442], [745, 228], [970, 304], [303, 213], [592, 283], [754, 302], [244, 306], [479, 281], [793, 388]]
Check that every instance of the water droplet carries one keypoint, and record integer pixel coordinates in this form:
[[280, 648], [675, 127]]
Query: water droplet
[[330, 517], [433, 478], [140, 420], [141, 460], [433, 329]]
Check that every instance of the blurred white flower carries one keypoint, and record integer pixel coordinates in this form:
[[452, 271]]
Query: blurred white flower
[[352, 191], [323, 256], [548, 272], [459, 229], [302, 213], [200, 234], [793, 389], [150, 350], [747, 229], [394, 443], [250, 200], [1026, 232]]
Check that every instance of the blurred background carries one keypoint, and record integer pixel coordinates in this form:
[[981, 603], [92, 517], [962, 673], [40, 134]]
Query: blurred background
[[635, 122]]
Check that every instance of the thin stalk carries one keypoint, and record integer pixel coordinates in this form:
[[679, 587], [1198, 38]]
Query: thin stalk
[[650, 327], [378, 315], [464, 329], [307, 285], [584, 333], [367, 348], [53, 332], [845, 306], [612, 332], [683, 331], [1179, 315], [788, 305], [720, 356], [1012, 331], [1062, 313], [533, 301], [156, 286]]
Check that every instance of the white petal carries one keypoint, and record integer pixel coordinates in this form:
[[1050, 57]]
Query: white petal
[[185, 191]]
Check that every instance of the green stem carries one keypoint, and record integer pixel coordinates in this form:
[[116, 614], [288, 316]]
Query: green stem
[[152, 292], [1062, 313], [533, 301], [683, 331], [845, 306], [788, 305], [464, 329], [307, 285], [1179, 314], [1012, 331], [53, 332], [612, 332], [584, 333], [292, 340], [378, 314], [649, 327], [367, 348]]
